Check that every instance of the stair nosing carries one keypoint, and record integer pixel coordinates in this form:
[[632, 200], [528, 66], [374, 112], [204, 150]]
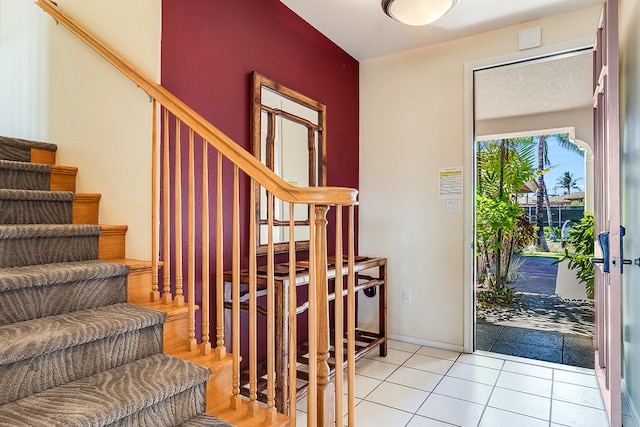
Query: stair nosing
[[36, 195], [26, 166], [16, 231]]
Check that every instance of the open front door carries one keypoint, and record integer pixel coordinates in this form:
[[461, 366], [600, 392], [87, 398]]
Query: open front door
[[607, 212]]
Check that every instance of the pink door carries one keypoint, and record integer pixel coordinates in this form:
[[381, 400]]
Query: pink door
[[607, 212]]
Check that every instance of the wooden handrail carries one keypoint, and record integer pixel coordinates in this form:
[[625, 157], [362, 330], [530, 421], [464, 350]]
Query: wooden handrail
[[321, 394], [234, 152]]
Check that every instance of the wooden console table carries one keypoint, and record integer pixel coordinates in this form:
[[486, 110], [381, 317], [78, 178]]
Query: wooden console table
[[365, 340]]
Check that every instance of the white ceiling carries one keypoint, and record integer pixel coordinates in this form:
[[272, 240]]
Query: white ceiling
[[361, 28], [544, 86]]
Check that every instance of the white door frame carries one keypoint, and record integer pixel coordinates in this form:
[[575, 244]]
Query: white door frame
[[469, 165]]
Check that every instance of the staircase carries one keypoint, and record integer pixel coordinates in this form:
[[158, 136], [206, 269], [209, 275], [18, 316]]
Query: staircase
[[73, 351]]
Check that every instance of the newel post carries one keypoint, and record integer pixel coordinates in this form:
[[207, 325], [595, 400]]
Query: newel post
[[326, 389]]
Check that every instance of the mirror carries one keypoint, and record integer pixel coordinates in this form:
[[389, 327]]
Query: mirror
[[287, 131]]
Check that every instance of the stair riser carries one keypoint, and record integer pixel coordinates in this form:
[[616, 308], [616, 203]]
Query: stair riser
[[24, 180], [86, 212], [61, 367], [37, 302], [172, 411], [139, 286], [112, 244], [63, 178], [46, 250], [176, 333], [35, 212]]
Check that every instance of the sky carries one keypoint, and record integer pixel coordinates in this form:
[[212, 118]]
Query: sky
[[564, 161]]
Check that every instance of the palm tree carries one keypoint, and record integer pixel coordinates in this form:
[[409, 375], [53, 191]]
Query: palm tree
[[543, 160], [543, 196], [568, 183]]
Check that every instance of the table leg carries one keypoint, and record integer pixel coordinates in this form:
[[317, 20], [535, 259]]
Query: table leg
[[382, 308], [282, 342]]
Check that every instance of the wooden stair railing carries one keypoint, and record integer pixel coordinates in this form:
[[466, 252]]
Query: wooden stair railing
[[178, 130]]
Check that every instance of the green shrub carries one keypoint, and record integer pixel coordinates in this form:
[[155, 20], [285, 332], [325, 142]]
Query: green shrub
[[504, 296], [581, 241]]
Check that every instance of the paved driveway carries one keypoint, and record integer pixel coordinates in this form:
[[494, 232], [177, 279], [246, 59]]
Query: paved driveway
[[541, 325]]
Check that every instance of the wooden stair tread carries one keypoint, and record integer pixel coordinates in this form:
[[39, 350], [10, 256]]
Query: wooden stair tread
[[64, 170], [240, 417], [136, 265], [113, 229], [88, 197]]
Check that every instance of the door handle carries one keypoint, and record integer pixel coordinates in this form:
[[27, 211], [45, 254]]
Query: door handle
[[603, 241]]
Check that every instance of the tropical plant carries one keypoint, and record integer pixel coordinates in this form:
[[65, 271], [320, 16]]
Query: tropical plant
[[504, 166], [581, 242], [567, 182]]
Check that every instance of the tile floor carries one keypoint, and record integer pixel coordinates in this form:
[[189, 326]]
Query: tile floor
[[416, 386]]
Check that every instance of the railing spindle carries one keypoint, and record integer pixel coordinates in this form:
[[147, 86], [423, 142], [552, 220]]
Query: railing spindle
[[179, 299], [167, 298], [192, 343], [326, 394], [236, 399], [351, 321], [293, 305], [155, 202], [221, 350], [339, 318], [206, 342], [312, 388], [271, 333], [253, 406]]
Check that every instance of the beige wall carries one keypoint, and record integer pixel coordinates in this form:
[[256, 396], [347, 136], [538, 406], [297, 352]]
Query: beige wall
[[412, 123], [630, 135], [99, 119]]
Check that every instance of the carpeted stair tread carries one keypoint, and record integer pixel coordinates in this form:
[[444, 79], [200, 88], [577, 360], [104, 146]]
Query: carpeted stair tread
[[41, 290], [112, 395], [20, 149], [29, 244], [36, 207], [23, 231], [24, 175], [205, 420], [31, 338], [12, 278], [39, 373]]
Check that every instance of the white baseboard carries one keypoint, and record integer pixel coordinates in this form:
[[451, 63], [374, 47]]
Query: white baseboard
[[630, 414], [426, 343]]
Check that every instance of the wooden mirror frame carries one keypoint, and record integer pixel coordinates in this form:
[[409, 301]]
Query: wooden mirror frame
[[317, 149]]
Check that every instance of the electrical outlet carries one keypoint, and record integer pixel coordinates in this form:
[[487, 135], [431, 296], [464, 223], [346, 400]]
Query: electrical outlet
[[406, 296]]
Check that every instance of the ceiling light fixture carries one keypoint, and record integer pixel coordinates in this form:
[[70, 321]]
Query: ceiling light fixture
[[417, 12]]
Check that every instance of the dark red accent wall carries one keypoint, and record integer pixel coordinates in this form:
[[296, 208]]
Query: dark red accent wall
[[209, 48]]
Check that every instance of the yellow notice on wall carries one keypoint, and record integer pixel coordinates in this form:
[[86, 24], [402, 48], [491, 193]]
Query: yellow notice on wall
[[450, 183]]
